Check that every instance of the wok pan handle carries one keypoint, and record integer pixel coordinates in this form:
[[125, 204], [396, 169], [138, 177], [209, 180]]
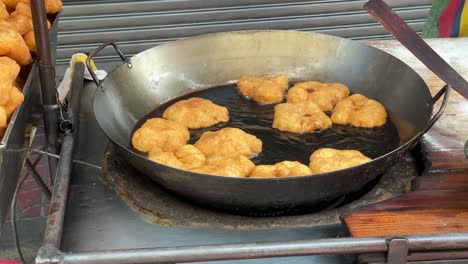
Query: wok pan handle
[[446, 92], [96, 51]]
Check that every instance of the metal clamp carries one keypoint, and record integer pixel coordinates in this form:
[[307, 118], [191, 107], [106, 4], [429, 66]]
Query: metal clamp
[[397, 251], [96, 51]]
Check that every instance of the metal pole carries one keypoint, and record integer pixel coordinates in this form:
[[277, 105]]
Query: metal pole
[[46, 72], [53, 233], [262, 250]]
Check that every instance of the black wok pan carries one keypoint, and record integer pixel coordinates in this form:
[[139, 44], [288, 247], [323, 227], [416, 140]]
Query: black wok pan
[[157, 75]]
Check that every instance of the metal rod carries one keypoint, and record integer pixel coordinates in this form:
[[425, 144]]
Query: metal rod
[[53, 232], [230, 251], [75, 93], [264, 250], [46, 72], [37, 178]]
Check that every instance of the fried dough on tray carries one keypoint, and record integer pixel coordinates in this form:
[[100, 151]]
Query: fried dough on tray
[[20, 22], [3, 11], [300, 117], [3, 121], [325, 95], [196, 113], [15, 98], [9, 70], [158, 132], [238, 166], [328, 159], [13, 45], [228, 142], [264, 90], [359, 111], [280, 169]]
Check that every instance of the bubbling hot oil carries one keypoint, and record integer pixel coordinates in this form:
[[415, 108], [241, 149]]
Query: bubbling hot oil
[[278, 146]]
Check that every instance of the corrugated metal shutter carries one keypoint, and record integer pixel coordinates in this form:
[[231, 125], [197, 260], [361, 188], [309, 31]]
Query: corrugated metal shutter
[[139, 25]]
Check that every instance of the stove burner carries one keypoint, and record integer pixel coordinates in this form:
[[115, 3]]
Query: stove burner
[[161, 207]]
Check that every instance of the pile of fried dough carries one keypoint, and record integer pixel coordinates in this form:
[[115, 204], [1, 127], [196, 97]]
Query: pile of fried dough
[[17, 47]]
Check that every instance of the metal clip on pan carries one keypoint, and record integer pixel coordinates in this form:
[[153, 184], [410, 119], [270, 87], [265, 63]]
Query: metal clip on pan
[[96, 51]]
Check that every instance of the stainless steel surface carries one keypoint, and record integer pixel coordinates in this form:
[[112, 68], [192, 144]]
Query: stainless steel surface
[[47, 77], [140, 25], [183, 66]]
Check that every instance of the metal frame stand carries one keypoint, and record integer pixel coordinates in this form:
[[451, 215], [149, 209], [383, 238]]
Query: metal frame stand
[[47, 76]]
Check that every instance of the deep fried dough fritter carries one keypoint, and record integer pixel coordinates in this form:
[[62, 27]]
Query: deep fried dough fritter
[[280, 169], [3, 121], [228, 142], [328, 159], [359, 111], [11, 4], [238, 166], [16, 97], [264, 90], [51, 6], [186, 157], [300, 117], [21, 23], [24, 9], [325, 95], [196, 113], [3, 11], [30, 41], [158, 132], [12, 44], [9, 70]]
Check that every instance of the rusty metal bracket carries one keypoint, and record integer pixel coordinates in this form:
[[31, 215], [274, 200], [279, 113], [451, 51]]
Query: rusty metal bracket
[[397, 250]]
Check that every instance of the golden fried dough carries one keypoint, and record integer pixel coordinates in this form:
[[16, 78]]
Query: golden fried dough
[[239, 166], [15, 99], [359, 111], [3, 121], [228, 142], [3, 11], [325, 95], [328, 159], [264, 90], [12, 44], [9, 70], [11, 4], [280, 169], [30, 41], [196, 113], [300, 117], [185, 157], [24, 9], [158, 132], [21, 23], [53, 6]]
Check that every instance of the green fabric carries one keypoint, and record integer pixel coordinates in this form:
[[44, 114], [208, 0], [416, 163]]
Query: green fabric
[[431, 27]]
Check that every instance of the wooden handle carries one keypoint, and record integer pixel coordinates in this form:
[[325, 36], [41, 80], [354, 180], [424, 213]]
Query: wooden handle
[[416, 45]]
